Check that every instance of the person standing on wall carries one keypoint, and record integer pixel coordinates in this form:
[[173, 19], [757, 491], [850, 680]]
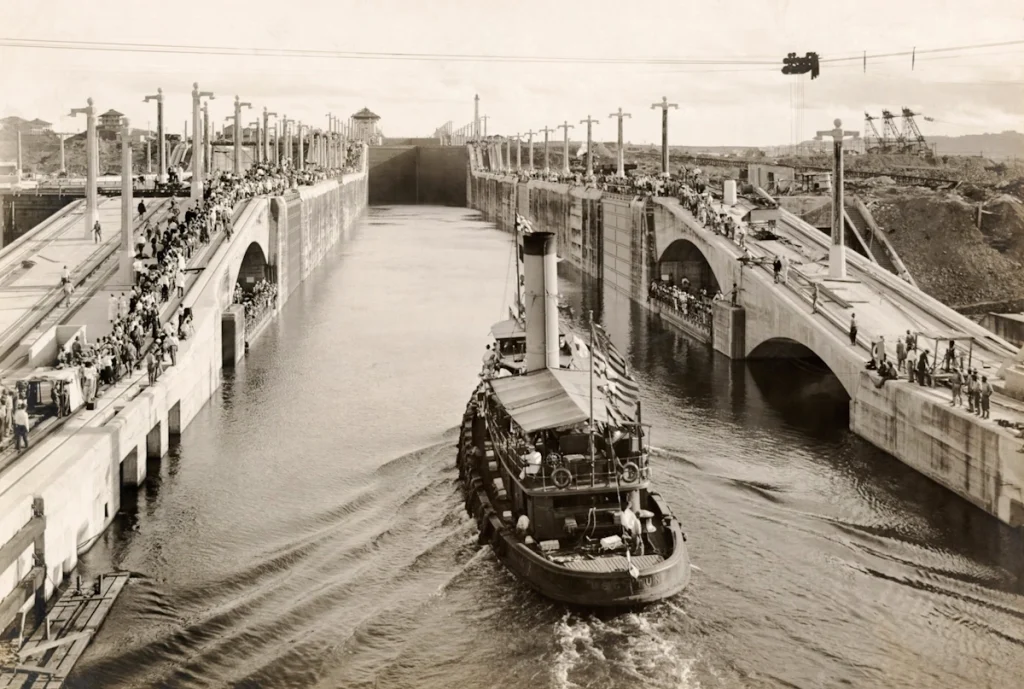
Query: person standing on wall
[[20, 426]]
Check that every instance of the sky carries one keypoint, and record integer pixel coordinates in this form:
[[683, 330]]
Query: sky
[[966, 92]]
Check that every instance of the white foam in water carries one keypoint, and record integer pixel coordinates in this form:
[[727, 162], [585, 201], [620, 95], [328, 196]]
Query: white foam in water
[[641, 652]]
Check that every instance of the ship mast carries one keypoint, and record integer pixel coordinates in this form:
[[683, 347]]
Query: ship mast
[[590, 317], [519, 274]]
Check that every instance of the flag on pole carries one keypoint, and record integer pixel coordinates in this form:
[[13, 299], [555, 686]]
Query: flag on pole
[[622, 390], [523, 226]]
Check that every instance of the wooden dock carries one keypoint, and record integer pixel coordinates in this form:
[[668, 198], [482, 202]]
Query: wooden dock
[[50, 653]]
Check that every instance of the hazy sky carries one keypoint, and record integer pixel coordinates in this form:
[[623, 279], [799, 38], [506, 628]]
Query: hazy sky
[[968, 92]]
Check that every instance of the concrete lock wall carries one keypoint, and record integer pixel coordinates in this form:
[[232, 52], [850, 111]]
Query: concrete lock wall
[[433, 175], [633, 241], [79, 474]]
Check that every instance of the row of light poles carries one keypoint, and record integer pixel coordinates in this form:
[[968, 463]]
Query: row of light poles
[[837, 250], [327, 149]]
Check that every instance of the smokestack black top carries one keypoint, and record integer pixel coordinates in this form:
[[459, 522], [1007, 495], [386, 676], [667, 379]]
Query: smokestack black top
[[535, 242]]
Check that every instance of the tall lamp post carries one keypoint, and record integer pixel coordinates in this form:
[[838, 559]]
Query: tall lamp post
[[530, 144], [266, 134], [197, 149], [207, 141], [91, 164], [547, 166], [161, 146], [621, 172], [255, 126], [300, 129], [664, 105], [565, 127], [837, 252], [590, 153], [238, 134], [125, 258]]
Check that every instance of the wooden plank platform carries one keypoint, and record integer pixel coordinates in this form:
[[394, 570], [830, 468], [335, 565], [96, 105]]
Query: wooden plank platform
[[615, 563], [74, 618]]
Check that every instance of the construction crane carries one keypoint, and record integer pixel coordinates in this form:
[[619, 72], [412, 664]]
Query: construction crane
[[892, 132], [913, 139], [873, 141]]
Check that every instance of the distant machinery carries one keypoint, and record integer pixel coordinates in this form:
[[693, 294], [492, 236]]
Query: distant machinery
[[892, 139]]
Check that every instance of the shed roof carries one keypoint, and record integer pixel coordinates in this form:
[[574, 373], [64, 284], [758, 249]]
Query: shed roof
[[549, 398]]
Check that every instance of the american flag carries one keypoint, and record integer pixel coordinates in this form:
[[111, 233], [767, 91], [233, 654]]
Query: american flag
[[523, 226], [622, 390]]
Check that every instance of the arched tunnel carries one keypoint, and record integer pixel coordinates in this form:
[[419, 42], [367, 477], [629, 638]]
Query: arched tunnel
[[683, 260], [254, 267], [795, 380]]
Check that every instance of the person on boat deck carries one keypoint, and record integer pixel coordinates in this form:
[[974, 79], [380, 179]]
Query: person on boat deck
[[490, 360]]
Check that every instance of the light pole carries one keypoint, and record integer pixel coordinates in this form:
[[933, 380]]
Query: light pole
[[664, 105], [519, 152], [590, 154], [299, 129], [207, 141], [125, 258], [238, 134], [149, 151], [330, 133], [547, 165], [286, 152], [197, 150], [266, 134], [621, 172], [565, 127], [161, 147], [476, 116], [255, 125], [91, 164], [530, 135], [837, 252]]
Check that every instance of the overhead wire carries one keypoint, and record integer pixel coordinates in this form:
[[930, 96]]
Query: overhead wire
[[231, 51]]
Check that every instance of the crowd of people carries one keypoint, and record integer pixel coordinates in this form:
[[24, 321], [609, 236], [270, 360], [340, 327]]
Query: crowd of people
[[162, 253], [258, 302], [690, 305]]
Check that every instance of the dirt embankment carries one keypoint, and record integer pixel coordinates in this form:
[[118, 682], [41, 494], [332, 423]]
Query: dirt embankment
[[938, 238]]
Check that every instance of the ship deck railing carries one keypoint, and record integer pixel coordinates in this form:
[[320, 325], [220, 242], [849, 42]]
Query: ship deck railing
[[585, 473]]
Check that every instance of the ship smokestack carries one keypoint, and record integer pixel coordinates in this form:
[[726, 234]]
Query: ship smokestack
[[540, 275]]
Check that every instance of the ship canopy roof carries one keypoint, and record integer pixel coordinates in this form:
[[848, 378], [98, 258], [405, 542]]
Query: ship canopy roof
[[514, 328], [549, 398], [511, 327]]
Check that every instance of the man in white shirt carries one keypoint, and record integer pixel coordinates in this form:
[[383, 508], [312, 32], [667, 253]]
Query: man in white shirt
[[20, 426]]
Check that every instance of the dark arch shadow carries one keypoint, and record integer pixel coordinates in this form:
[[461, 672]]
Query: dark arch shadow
[[684, 259], [253, 268]]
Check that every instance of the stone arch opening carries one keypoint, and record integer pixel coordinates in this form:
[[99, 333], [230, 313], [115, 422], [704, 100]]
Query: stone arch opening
[[683, 260], [791, 373], [254, 267]]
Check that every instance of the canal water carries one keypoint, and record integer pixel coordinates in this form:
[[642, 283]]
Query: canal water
[[307, 530]]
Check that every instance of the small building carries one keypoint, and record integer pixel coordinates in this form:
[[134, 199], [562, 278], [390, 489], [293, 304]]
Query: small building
[[110, 121], [364, 127], [770, 177]]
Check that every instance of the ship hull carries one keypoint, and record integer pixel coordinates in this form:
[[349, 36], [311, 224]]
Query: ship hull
[[617, 589]]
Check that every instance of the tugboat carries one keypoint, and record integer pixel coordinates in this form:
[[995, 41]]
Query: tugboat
[[557, 473]]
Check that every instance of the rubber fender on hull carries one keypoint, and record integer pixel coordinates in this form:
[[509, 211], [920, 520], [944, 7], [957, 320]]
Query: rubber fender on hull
[[481, 513], [472, 503], [486, 532]]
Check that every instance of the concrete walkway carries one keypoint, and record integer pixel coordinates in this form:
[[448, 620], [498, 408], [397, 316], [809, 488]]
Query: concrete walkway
[[879, 309]]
